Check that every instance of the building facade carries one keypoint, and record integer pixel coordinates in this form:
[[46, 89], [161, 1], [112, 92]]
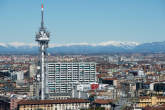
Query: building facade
[[4, 103], [67, 104], [62, 77], [151, 101], [14, 103]]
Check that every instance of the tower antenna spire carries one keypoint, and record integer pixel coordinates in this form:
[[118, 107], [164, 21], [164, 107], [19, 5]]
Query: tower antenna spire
[[42, 14]]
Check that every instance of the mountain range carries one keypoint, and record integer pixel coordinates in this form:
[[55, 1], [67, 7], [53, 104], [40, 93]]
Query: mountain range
[[85, 48]]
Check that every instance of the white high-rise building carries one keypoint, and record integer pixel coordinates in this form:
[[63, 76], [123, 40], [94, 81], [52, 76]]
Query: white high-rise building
[[62, 77]]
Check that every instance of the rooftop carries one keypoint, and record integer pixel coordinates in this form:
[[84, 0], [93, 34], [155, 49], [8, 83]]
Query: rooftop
[[60, 101], [103, 101]]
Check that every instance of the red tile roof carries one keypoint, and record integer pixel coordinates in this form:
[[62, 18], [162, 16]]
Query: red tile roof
[[110, 79], [103, 101], [62, 101]]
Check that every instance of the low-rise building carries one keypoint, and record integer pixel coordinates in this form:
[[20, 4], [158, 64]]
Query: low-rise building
[[4, 103], [65, 104], [14, 103], [150, 101], [107, 104]]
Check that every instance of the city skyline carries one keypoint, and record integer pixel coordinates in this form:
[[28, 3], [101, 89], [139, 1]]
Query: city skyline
[[89, 21], [88, 55]]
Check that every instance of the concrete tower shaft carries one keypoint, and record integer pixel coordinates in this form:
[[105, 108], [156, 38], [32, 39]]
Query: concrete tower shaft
[[42, 37]]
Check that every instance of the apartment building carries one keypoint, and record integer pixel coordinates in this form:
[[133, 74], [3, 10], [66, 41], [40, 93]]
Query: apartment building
[[62, 77]]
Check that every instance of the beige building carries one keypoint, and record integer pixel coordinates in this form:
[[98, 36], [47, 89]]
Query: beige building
[[65, 104], [151, 101], [33, 70]]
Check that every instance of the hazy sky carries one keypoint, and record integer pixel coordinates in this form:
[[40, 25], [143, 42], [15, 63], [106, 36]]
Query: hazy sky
[[91, 21]]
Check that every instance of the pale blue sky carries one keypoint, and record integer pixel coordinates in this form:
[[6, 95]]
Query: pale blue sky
[[91, 21]]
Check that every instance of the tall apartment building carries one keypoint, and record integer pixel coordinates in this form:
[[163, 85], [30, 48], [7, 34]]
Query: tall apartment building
[[62, 77]]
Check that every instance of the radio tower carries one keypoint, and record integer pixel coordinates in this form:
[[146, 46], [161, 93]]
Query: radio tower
[[42, 37]]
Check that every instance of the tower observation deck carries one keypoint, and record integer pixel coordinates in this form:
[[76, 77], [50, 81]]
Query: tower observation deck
[[42, 37]]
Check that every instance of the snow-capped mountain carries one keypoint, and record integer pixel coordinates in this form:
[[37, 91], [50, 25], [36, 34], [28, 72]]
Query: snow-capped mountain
[[108, 43], [85, 48]]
